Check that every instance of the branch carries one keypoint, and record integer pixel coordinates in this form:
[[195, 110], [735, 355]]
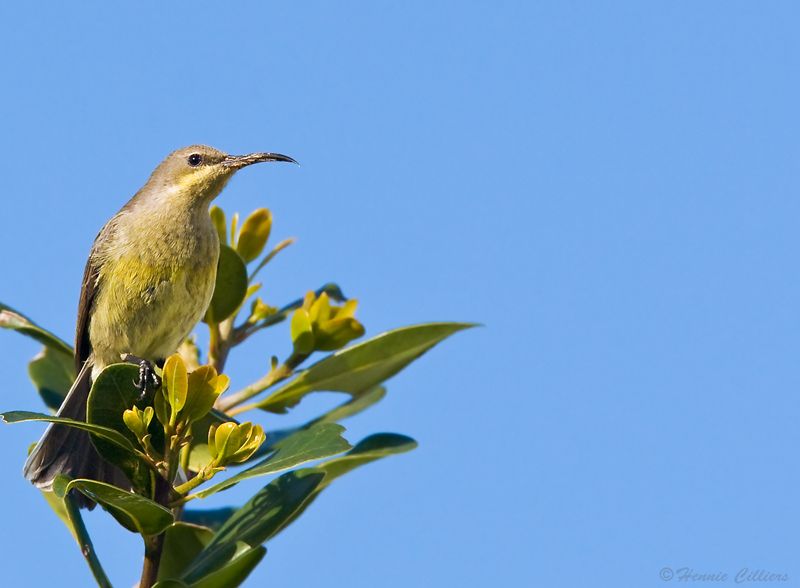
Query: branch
[[85, 542], [275, 375], [154, 544]]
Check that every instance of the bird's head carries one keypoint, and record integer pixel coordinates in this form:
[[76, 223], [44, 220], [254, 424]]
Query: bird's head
[[198, 173]]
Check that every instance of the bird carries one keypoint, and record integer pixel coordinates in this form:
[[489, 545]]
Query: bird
[[148, 281]]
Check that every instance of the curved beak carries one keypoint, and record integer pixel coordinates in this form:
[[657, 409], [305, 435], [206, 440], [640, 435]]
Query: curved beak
[[240, 161]]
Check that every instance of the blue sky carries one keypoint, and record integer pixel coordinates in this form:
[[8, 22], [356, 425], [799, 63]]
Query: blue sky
[[608, 186]]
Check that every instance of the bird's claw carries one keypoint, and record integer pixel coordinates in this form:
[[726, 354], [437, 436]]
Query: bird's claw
[[147, 376]]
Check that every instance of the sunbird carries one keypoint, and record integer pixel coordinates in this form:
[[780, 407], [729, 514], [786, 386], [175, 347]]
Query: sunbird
[[149, 279]]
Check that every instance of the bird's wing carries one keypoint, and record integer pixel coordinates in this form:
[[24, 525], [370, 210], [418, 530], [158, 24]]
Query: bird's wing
[[89, 289], [83, 347]]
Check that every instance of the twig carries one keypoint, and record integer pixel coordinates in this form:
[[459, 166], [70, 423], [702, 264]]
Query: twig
[[85, 542], [154, 544], [274, 376]]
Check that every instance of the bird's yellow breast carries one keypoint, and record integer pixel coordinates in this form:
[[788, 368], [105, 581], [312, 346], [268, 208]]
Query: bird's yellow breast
[[152, 290]]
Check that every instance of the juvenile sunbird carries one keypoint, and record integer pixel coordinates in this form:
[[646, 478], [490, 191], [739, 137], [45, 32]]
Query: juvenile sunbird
[[148, 281]]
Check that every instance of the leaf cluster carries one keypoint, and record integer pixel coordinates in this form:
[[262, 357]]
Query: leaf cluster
[[187, 441]]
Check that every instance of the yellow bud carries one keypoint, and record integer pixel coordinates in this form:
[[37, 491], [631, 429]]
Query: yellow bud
[[234, 224], [218, 220], [320, 310], [137, 420], [176, 382], [249, 444], [147, 416], [133, 422], [308, 300], [234, 443], [201, 394], [337, 333], [161, 406], [348, 310], [212, 446], [259, 310], [190, 353], [254, 234], [221, 438], [302, 333]]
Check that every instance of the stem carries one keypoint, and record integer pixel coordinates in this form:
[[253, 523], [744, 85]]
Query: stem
[[190, 485], [184, 458], [220, 341], [85, 542], [154, 544], [240, 409], [213, 345], [276, 375], [278, 248]]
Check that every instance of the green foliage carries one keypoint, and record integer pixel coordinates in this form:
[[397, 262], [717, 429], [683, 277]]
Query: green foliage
[[231, 286], [256, 521], [113, 436], [306, 445], [318, 325], [231, 443], [357, 369], [112, 394], [212, 518], [187, 432], [183, 542], [234, 572], [254, 234], [11, 319], [52, 372], [134, 512]]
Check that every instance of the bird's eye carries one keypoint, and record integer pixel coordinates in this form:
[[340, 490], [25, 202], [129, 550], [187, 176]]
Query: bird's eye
[[195, 159]]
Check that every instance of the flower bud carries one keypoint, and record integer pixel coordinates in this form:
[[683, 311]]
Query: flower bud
[[254, 234], [138, 420], [234, 443], [204, 387]]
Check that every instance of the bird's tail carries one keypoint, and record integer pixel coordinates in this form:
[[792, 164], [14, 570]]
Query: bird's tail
[[69, 451]]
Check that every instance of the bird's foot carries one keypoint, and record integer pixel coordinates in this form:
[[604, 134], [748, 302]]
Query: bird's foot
[[148, 379]]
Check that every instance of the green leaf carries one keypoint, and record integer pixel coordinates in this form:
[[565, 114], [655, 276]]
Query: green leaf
[[199, 454], [218, 220], [331, 289], [135, 513], [302, 335], [353, 406], [235, 572], [230, 288], [254, 234], [176, 382], [205, 386], [115, 437], [212, 518], [170, 584], [317, 442], [367, 450], [58, 506], [358, 368], [112, 393], [269, 257], [11, 319], [182, 543], [347, 409], [52, 372], [234, 224], [256, 521]]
